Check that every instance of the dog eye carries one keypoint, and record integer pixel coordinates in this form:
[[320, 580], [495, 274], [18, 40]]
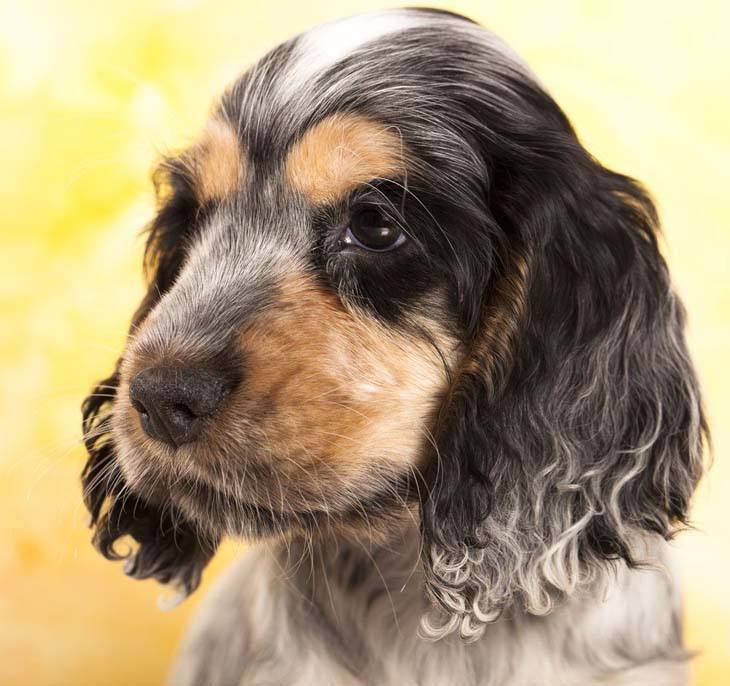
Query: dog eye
[[371, 230]]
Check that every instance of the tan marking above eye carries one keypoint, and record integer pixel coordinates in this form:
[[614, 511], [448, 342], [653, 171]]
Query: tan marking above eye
[[216, 163], [340, 153]]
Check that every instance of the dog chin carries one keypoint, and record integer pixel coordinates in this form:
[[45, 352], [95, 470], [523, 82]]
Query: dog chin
[[216, 512]]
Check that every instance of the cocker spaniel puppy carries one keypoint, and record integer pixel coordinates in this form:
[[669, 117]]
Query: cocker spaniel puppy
[[405, 330]]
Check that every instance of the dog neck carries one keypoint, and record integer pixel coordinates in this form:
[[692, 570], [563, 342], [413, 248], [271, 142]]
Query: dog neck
[[368, 600], [347, 612], [359, 583]]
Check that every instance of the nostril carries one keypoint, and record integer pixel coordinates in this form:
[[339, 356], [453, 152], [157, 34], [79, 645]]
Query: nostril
[[172, 402], [184, 411]]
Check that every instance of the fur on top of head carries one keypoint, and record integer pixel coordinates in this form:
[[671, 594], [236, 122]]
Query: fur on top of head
[[389, 279]]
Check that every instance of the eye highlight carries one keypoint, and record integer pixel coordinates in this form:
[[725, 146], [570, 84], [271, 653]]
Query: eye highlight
[[370, 229]]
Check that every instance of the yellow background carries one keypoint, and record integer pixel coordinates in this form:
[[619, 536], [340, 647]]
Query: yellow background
[[91, 92]]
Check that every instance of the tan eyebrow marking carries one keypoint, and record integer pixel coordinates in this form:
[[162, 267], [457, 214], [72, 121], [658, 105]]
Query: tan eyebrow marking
[[340, 153], [216, 163]]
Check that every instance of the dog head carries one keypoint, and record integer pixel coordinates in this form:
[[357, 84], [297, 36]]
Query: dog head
[[388, 280]]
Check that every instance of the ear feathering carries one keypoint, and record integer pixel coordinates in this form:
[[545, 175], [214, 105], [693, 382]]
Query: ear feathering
[[575, 427]]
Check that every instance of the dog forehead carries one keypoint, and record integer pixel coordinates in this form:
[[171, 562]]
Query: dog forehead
[[395, 66], [338, 105]]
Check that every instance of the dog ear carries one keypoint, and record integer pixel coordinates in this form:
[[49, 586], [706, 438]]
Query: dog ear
[[168, 547], [574, 425]]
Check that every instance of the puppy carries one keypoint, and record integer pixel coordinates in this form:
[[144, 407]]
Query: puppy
[[403, 330]]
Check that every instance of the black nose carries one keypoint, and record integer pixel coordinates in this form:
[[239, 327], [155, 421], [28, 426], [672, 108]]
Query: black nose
[[173, 402]]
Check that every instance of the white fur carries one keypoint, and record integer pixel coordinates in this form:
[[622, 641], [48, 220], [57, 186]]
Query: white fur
[[327, 44]]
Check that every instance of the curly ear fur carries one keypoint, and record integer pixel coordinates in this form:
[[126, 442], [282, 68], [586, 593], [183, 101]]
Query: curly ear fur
[[169, 548], [575, 423]]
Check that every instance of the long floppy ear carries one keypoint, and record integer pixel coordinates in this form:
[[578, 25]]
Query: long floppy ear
[[575, 423], [168, 548]]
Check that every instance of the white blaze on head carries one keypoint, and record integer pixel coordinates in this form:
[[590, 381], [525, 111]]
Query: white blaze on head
[[327, 44]]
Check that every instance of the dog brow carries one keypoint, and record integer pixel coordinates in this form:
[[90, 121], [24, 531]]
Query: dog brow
[[341, 152], [216, 163]]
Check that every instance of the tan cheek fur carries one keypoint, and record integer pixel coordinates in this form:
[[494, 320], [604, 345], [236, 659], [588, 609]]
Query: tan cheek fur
[[336, 389], [340, 153]]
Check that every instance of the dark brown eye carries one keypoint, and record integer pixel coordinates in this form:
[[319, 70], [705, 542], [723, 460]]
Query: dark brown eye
[[371, 230]]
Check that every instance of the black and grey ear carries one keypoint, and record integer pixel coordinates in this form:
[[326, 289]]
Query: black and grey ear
[[166, 546], [575, 426]]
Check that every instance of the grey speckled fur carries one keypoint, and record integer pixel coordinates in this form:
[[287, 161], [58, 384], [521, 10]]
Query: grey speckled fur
[[343, 615]]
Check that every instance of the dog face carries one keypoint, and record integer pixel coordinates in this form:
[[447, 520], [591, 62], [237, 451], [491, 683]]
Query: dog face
[[293, 368], [388, 280]]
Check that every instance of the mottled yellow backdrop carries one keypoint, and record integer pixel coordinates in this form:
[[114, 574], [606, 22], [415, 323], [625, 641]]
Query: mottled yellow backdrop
[[92, 91]]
